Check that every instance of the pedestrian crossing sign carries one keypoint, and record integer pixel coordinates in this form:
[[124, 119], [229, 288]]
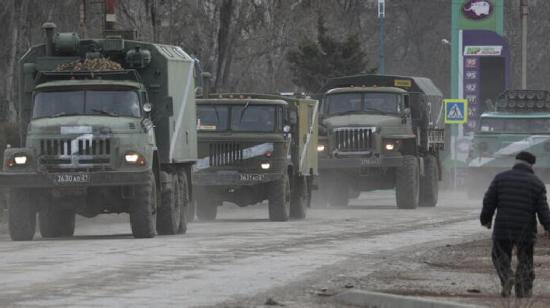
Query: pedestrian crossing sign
[[456, 111]]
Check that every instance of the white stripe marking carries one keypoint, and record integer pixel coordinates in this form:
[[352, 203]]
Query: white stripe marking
[[255, 151], [310, 133]]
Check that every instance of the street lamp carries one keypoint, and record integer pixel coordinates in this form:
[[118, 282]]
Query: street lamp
[[381, 15]]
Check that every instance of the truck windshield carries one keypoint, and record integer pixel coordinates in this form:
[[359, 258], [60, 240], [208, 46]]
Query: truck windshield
[[244, 118], [341, 103], [122, 103], [515, 126]]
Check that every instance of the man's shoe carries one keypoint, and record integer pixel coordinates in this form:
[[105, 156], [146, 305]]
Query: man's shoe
[[507, 288], [524, 293]]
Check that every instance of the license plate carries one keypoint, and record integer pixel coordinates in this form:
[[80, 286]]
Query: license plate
[[250, 177], [72, 178], [370, 161]]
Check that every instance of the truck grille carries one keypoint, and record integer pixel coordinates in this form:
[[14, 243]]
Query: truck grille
[[224, 153], [354, 139], [75, 147], [75, 154]]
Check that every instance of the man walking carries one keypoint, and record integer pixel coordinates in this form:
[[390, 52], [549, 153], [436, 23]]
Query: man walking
[[518, 196]]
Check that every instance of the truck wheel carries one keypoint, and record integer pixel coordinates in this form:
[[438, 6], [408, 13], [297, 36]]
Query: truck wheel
[[21, 215], [186, 204], [56, 222], [278, 196], [338, 195], [429, 183], [206, 207], [143, 209], [299, 200], [169, 213], [407, 183]]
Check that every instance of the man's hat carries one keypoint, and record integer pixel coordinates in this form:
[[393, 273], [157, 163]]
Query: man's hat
[[526, 157]]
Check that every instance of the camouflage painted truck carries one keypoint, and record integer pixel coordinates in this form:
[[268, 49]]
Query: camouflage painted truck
[[521, 122], [102, 136], [253, 148], [380, 132]]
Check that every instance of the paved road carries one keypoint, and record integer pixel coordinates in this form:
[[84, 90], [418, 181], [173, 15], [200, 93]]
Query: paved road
[[236, 257]]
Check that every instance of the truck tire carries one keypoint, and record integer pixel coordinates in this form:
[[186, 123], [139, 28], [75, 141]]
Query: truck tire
[[407, 184], [299, 200], [338, 195], [278, 196], [55, 222], [21, 215], [429, 183], [186, 202], [169, 213], [143, 209], [206, 208]]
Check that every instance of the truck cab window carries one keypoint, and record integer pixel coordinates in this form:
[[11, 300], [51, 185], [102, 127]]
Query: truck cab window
[[370, 102], [213, 117], [254, 118], [122, 103]]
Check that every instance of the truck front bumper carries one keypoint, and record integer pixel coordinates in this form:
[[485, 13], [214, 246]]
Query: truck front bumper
[[385, 161], [233, 178], [34, 179]]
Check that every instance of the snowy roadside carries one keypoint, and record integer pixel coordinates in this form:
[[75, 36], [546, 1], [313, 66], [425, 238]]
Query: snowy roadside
[[456, 271]]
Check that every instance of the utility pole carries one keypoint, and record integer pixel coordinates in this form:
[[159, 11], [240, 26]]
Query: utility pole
[[524, 7], [381, 15]]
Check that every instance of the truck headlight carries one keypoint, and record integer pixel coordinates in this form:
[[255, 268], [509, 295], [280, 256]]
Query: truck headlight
[[265, 166], [134, 158], [20, 159], [389, 146], [321, 148]]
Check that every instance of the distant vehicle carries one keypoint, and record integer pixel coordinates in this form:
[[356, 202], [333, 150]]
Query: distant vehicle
[[521, 122], [380, 132], [109, 127], [254, 148]]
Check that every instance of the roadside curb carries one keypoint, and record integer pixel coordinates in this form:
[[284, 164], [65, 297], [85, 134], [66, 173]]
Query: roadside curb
[[383, 300]]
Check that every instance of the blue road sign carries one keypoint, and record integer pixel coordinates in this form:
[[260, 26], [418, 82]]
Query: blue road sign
[[456, 111]]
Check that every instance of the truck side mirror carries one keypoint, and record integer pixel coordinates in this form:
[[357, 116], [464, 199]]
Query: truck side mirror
[[405, 114], [293, 118], [147, 107]]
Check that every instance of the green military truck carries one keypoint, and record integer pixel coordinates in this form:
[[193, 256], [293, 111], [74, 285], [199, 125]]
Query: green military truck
[[380, 132], [108, 126], [520, 122], [253, 148]]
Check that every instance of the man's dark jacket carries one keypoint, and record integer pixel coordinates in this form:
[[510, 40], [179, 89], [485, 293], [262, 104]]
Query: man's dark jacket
[[518, 196]]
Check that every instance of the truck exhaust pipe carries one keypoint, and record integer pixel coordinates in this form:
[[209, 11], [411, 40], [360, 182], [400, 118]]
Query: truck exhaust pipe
[[49, 31], [206, 84]]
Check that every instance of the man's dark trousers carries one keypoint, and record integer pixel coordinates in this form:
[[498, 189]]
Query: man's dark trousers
[[502, 258]]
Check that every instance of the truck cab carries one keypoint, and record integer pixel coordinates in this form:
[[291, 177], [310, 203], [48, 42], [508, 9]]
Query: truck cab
[[252, 148], [378, 132], [108, 126]]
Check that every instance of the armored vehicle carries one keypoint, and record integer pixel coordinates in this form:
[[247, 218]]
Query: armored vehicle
[[253, 148], [380, 132], [108, 126], [521, 122]]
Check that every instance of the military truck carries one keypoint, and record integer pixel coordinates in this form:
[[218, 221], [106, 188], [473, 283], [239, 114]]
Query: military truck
[[520, 122], [380, 132], [108, 126], [256, 147]]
